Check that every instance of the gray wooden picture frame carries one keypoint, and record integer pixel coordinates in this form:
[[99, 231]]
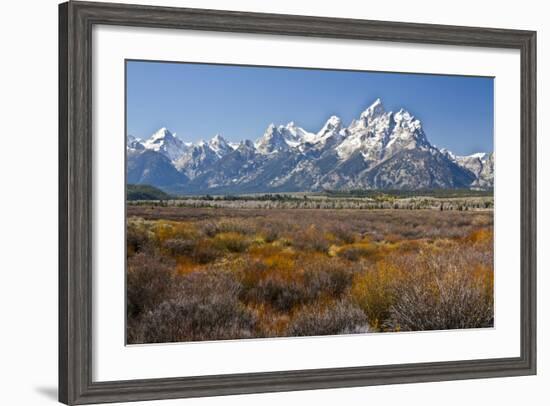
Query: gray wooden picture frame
[[76, 20]]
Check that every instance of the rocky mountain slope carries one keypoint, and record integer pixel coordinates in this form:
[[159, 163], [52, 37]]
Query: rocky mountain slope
[[379, 150]]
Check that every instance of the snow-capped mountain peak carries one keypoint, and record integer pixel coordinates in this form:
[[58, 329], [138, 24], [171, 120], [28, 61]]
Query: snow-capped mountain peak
[[405, 119], [272, 141], [334, 123], [332, 132], [161, 133], [373, 122], [408, 128], [199, 155], [380, 134], [166, 143], [294, 135], [133, 143], [380, 149], [219, 145], [374, 110]]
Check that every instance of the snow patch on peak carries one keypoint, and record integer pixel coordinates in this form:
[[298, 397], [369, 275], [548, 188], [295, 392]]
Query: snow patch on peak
[[219, 145], [332, 128], [448, 154], [379, 134], [166, 143], [272, 141], [333, 122], [283, 137], [408, 127], [479, 155], [404, 118], [294, 135], [374, 110], [133, 143], [161, 134]]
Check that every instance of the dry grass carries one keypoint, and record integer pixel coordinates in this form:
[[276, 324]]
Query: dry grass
[[209, 274]]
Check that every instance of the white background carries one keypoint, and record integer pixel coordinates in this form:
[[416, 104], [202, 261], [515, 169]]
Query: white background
[[28, 168]]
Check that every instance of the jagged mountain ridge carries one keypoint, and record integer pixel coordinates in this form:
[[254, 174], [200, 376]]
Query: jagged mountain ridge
[[379, 150]]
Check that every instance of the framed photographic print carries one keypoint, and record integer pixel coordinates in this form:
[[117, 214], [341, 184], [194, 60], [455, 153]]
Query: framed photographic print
[[259, 202]]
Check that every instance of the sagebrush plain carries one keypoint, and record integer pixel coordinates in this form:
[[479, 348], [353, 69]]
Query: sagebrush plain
[[203, 268]]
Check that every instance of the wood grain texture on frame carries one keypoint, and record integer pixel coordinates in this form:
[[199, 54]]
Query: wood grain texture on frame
[[76, 20]]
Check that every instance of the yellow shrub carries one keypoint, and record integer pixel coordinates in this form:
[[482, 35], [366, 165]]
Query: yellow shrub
[[480, 236], [331, 238], [263, 251], [164, 230], [258, 240], [412, 245], [333, 250], [372, 291], [484, 277], [281, 262], [232, 241], [282, 242]]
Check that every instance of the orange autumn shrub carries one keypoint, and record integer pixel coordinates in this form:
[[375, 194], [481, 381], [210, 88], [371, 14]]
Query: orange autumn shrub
[[265, 250], [185, 265], [282, 263], [165, 229], [269, 322], [483, 235], [373, 291]]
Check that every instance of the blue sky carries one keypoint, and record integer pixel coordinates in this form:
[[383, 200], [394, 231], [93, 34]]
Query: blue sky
[[197, 101]]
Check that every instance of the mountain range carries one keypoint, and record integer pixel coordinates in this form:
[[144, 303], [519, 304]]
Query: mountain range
[[378, 150]]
